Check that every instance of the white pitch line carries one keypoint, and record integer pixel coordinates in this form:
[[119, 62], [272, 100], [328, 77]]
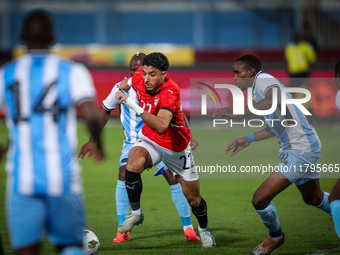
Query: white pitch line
[[322, 252]]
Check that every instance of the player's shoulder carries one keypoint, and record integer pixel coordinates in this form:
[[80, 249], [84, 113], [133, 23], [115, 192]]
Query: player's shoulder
[[265, 75], [170, 86], [264, 80]]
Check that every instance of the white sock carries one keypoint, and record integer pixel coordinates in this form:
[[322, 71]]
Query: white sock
[[138, 211], [185, 227], [203, 229]]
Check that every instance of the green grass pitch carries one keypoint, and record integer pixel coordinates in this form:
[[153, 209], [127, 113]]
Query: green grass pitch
[[234, 223]]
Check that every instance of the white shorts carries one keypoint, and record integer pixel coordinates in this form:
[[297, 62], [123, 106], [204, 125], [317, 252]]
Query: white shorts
[[181, 163]]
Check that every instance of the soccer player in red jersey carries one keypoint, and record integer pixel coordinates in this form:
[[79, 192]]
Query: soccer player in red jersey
[[164, 138]]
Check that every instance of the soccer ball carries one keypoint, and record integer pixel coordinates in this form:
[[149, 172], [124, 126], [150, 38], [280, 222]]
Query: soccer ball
[[90, 242]]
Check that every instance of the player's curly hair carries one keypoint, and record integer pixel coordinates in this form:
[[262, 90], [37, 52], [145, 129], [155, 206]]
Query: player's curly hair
[[251, 61], [157, 60]]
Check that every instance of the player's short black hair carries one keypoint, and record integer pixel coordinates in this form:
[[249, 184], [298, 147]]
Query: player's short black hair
[[157, 60], [37, 26], [251, 61], [337, 68]]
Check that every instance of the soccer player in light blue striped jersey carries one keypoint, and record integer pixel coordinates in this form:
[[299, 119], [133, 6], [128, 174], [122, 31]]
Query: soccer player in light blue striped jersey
[[40, 93], [132, 125], [334, 197], [300, 148]]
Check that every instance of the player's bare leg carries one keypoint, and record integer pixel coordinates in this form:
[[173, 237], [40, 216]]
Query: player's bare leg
[[334, 199], [313, 195], [262, 201], [191, 191], [139, 159]]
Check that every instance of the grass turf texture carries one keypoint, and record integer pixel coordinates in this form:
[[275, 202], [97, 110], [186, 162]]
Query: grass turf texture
[[234, 223]]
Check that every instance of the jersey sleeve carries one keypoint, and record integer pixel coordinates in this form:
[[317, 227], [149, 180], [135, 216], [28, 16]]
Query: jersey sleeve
[[265, 83], [82, 88], [111, 103], [137, 80], [169, 100]]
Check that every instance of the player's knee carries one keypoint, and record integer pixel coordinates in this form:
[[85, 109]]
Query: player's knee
[[312, 200], [258, 202], [193, 201], [121, 175], [170, 178]]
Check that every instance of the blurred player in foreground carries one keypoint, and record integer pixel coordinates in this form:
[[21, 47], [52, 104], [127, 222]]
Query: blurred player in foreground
[[2, 153], [299, 145], [132, 125], [334, 197], [44, 193], [164, 137]]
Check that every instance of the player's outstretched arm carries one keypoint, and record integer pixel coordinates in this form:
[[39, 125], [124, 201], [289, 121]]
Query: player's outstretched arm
[[90, 147], [92, 120], [224, 112], [237, 145], [242, 142]]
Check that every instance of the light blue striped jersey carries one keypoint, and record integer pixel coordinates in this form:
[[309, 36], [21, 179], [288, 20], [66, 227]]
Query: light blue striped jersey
[[301, 137], [132, 124], [39, 92]]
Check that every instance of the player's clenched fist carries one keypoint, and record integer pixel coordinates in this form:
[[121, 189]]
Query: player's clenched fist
[[238, 144], [121, 96]]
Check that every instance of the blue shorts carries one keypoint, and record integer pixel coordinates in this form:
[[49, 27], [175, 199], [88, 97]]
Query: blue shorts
[[29, 218], [161, 167], [299, 166]]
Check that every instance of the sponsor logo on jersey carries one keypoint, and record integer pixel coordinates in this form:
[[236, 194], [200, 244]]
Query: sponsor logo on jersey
[[155, 101]]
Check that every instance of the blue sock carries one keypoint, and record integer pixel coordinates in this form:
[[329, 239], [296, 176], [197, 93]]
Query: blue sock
[[270, 220], [71, 250], [122, 202], [335, 208], [181, 204], [325, 203]]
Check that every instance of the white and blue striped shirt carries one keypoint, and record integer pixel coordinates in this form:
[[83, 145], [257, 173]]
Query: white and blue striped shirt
[[39, 92], [301, 137], [132, 123]]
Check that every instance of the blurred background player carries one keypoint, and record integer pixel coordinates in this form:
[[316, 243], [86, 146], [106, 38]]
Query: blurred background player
[[44, 192], [164, 137], [132, 125], [2, 153], [300, 55], [334, 197], [299, 146]]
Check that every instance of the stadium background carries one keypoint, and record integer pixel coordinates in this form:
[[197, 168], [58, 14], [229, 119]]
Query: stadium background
[[201, 38]]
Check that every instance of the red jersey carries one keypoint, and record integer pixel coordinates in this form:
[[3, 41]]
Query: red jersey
[[176, 137]]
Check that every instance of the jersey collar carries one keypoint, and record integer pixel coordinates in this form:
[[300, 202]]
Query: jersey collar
[[153, 94], [253, 86]]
